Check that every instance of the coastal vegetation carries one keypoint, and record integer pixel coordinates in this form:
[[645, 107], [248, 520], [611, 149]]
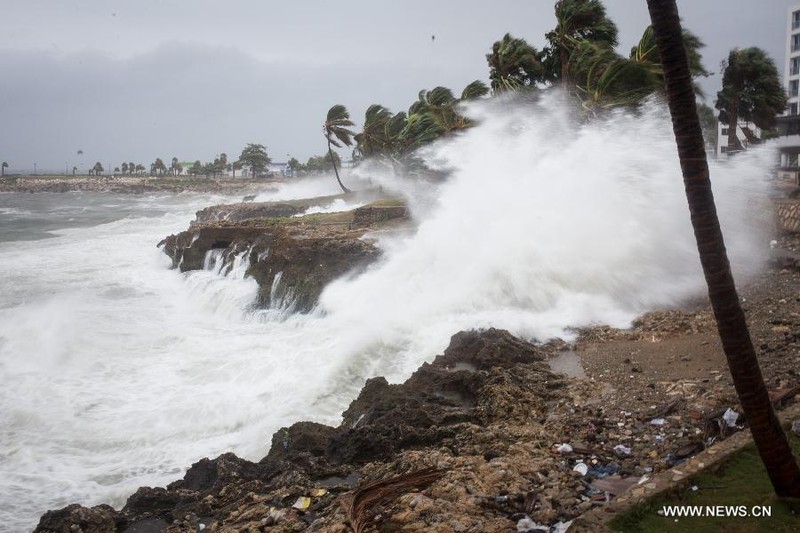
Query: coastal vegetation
[[337, 133]]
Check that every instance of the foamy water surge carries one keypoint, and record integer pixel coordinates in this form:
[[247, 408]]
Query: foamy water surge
[[118, 372]]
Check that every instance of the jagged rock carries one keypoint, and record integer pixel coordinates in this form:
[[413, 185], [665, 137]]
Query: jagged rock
[[212, 474], [154, 502], [300, 438], [291, 270], [78, 519], [464, 386]]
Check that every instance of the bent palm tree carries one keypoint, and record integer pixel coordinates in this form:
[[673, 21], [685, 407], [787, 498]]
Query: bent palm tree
[[372, 140], [513, 64], [768, 435], [337, 133], [577, 21], [751, 91]]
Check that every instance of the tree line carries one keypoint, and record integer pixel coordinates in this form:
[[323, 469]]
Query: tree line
[[579, 58]]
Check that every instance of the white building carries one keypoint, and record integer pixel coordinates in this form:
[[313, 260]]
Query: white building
[[789, 123], [746, 132]]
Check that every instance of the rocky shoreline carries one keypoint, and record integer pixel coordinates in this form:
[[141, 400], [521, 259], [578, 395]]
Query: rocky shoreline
[[131, 184], [495, 434]]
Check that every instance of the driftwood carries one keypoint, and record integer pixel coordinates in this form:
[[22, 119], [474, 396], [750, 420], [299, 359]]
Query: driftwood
[[357, 504]]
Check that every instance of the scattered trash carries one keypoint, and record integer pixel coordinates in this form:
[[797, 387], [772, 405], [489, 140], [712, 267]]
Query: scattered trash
[[527, 524], [796, 427], [730, 417], [660, 438], [302, 503], [621, 449], [581, 467], [773, 244], [695, 488], [564, 448], [658, 422], [674, 461], [316, 493], [602, 471], [560, 527]]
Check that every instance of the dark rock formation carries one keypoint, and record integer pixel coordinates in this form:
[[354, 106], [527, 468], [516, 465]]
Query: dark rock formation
[[73, 518], [432, 406], [291, 270], [429, 411], [292, 258]]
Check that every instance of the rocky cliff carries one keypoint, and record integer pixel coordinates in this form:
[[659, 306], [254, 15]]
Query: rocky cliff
[[291, 257]]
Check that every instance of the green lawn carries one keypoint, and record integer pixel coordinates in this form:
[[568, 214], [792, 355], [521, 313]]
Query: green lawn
[[741, 485]]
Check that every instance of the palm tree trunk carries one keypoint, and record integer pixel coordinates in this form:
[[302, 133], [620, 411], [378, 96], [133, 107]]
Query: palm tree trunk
[[564, 57], [333, 162], [733, 125], [768, 435]]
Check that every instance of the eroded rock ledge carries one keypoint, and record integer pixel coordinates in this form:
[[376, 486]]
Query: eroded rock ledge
[[291, 257]]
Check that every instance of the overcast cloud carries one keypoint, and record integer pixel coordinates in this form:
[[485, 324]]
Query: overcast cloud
[[126, 80]]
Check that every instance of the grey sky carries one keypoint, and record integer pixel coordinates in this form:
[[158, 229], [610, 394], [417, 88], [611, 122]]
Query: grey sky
[[132, 80]]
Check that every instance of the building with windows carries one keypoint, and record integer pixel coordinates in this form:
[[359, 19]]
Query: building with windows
[[789, 123]]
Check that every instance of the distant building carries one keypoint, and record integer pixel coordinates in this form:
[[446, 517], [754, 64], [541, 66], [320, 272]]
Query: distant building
[[277, 168], [789, 124], [747, 133]]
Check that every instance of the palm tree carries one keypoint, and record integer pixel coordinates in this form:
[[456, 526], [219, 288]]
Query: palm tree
[[577, 21], [513, 64], [612, 80], [373, 139], [124, 168], [97, 168], [751, 91], [768, 435], [3, 168], [337, 134]]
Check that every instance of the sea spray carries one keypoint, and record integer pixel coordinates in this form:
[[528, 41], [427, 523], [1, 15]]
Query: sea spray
[[546, 224], [119, 372]]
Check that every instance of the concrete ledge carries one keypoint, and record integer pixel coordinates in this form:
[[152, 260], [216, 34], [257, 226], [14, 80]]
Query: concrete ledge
[[674, 479]]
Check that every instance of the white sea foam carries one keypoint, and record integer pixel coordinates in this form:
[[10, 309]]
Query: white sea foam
[[118, 372]]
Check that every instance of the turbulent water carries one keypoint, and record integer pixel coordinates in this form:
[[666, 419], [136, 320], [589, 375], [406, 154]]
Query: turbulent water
[[118, 372]]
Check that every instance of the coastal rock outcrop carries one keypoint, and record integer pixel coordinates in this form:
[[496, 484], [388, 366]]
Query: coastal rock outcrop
[[291, 257]]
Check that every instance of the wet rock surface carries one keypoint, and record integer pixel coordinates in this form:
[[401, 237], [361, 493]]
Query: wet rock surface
[[291, 257]]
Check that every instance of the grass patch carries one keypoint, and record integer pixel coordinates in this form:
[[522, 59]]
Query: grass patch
[[388, 202], [740, 483]]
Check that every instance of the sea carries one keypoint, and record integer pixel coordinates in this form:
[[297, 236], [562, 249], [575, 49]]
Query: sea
[[119, 371]]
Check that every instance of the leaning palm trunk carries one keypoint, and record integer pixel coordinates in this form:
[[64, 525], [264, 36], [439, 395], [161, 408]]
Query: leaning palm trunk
[[333, 162], [768, 435], [733, 125]]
